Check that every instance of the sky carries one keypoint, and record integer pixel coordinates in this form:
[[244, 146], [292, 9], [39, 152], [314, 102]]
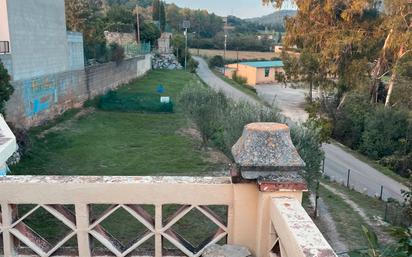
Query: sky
[[239, 8]]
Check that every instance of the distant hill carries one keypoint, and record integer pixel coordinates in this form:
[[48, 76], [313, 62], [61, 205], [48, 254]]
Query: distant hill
[[275, 19]]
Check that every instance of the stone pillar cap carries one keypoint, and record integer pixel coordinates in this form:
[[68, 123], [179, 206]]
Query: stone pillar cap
[[267, 147]]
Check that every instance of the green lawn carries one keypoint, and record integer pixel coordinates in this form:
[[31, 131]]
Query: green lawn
[[90, 141], [118, 143]]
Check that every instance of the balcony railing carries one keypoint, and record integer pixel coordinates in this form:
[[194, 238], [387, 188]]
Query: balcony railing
[[4, 47], [259, 207], [269, 223]]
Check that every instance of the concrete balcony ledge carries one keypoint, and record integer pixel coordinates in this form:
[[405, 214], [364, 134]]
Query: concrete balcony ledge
[[115, 180]]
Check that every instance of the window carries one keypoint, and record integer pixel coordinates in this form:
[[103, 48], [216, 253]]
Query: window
[[267, 71]]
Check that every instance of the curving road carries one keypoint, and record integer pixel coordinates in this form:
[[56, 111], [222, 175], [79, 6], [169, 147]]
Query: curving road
[[363, 177]]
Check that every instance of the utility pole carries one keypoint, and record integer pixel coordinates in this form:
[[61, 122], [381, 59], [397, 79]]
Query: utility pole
[[138, 24], [237, 59], [186, 25], [185, 48], [224, 56], [225, 46]]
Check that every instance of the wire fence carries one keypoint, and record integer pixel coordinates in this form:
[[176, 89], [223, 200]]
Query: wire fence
[[134, 49], [395, 211]]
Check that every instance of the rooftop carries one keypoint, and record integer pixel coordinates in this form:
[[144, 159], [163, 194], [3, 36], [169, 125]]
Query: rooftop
[[264, 64]]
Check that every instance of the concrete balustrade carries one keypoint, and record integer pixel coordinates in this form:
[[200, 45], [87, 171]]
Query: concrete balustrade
[[263, 213]]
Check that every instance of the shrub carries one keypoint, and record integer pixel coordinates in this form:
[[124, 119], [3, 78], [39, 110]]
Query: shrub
[[116, 53], [239, 79], [349, 122], [384, 132], [192, 65], [6, 89], [221, 121], [216, 61]]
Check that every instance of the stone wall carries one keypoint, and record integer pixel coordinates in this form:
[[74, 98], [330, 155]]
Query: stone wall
[[40, 99], [120, 38]]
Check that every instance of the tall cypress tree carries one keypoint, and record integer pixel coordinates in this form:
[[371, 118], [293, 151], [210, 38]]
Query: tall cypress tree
[[162, 18], [156, 9]]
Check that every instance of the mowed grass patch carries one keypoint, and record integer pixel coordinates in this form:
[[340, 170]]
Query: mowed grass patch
[[120, 143]]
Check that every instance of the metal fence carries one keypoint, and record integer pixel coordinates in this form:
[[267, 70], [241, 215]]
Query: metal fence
[[133, 50], [396, 214], [4, 47]]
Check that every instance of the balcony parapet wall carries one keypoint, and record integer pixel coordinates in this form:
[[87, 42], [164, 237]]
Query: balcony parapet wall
[[249, 212]]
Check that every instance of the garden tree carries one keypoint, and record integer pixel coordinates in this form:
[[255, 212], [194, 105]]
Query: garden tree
[[6, 89], [77, 14], [178, 43], [82, 18], [120, 19], [338, 38], [149, 32], [398, 21]]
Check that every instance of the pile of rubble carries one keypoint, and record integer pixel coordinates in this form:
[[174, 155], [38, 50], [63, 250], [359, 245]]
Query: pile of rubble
[[166, 62]]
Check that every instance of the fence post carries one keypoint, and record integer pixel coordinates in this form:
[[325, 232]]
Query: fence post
[[385, 217], [323, 165], [381, 194], [316, 200], [347, 182]]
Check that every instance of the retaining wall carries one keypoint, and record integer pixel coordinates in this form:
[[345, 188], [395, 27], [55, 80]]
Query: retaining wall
[[38, 100]]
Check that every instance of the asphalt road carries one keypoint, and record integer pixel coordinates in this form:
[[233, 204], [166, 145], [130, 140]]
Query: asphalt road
[[363, 177]]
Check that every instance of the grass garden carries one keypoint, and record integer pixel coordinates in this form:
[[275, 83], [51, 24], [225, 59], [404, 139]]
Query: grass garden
[[92, 141]]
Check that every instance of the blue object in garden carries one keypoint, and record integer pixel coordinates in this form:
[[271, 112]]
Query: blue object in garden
[[4, 170], [160, 89]]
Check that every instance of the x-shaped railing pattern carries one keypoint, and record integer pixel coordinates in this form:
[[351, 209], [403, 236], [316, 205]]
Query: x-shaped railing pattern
[[21, 231], [276, 249], [34, 241]]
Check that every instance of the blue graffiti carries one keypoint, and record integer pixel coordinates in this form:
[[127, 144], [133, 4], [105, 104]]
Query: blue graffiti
[[39, 95]]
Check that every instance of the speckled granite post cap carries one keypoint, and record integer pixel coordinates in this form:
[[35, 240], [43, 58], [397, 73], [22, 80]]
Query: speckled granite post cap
[[266, 149]]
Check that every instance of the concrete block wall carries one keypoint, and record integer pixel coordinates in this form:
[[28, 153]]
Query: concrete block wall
[[104, 77], [75, 50], [38, 100], [38, 39]]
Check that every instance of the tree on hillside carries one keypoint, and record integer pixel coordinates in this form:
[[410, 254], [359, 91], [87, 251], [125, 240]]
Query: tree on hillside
[[77, 13], [340, 37], [162, 18], [6, 89], [120, 19], [398, 23], [149, 32], [156, 10]]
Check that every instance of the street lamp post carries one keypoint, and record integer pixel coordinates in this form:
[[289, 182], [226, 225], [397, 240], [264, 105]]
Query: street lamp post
[[186, 25], [224, 56], [186, 49]]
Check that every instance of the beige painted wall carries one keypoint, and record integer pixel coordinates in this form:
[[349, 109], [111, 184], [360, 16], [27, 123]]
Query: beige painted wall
[[4, 23], [254, 75], [245, 71], [249, 220], [261, 79]]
